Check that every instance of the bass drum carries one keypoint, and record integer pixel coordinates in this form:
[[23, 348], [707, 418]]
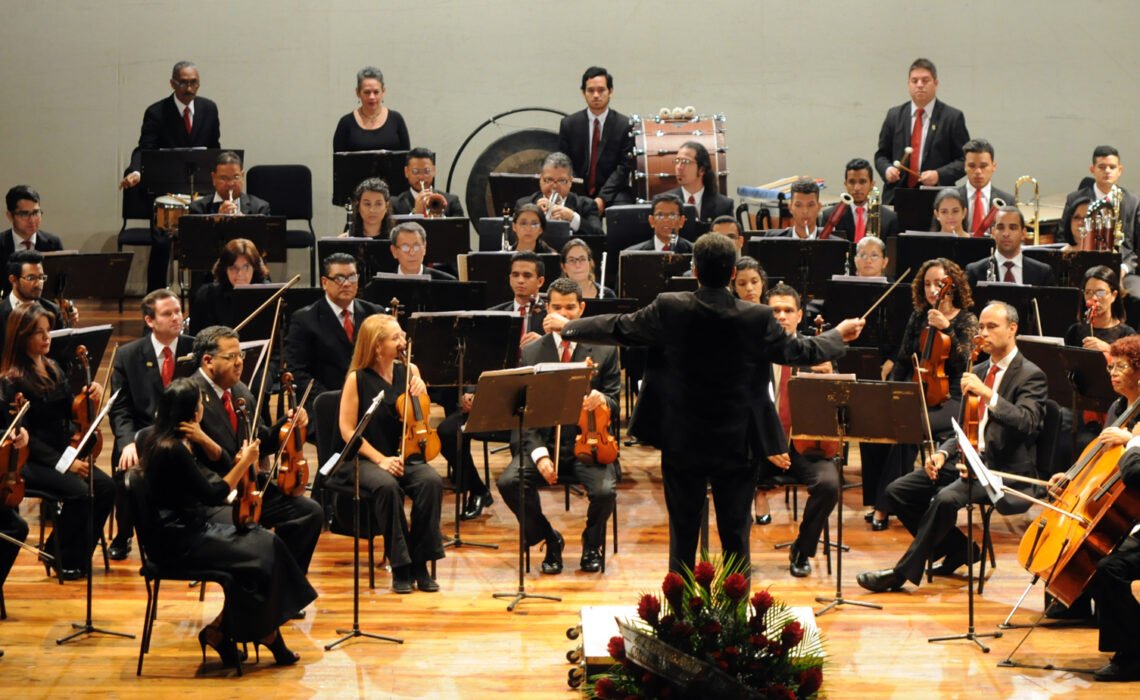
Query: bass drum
[[519, 152], [656, 141]]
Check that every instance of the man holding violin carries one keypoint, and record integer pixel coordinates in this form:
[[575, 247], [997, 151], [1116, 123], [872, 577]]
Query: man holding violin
[[599, 477], [1009, 407]]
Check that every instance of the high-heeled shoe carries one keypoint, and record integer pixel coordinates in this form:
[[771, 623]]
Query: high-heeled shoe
[[226, 648], [282, 655]]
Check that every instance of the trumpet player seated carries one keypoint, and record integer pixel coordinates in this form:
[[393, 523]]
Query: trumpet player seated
[[666, 219], [979, 192], [805, 208], [409, 246], [1009, 411], [229, 197], [1008, 264], [420, 199], [1122, 209], [528, 223], [556, 200], [588, 458], [858, 220], [949, 212]]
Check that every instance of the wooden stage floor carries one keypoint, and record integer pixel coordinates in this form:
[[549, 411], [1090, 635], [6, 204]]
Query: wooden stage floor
[[462, 643]]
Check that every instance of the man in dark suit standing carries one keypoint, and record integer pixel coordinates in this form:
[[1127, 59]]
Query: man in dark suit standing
[[715, 350], [599, 142], [1106, 170], [858, 179], [1008, 263], [698, 182], [933, 130], [25, 215], [229, 197], [321, 335], [1012, 405], [805, 207], [143, 368], [599, 480], [978, 193], [409, 246], [26, 281], [419, 170], [554, 182], [667, 220]]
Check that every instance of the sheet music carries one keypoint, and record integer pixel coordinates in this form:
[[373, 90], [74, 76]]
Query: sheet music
[[990, 482]]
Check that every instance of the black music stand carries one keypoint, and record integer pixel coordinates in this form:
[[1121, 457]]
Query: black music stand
[[418, 294], [448, 238], [1059, 306], [1070, 267], [351, 451], [889, 412], [64, 343], [806, 265], [75, 275], [495, 269], [350, 168], [1075, 376], [372, 254], [643, 274], [850, 297], [628, 224], [169, 170], [528, 397], [248, 297], [912, 248], [915, 207], [201, 237], [616, 305]]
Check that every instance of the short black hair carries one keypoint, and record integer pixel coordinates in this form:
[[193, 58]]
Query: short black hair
[[857, 164], [565, 286], [714, 259], [923, 64], [206, 342], [666, 197], [20, 192], [17, 260], [150, 301], [227, 158], [336, 259], [979, 146], [727, 219], [805, 185], [784, 290], [531, 257], [1098, 152], [594, 72], [420, 152], [1011, 209]]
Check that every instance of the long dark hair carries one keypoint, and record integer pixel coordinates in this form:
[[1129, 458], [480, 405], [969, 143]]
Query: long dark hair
[[962, 297], [17, 364], [1109, 276], [372, 184], [177, 404], [1066, 216]]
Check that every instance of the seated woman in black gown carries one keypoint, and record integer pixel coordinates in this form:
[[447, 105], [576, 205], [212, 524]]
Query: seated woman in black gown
[[268, 587], [384, 475], [239, 263], [28, 370]]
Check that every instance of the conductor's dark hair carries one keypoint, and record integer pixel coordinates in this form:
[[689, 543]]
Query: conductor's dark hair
[[207, 341], [708, 177], [784, 290], [17, 260], [227, 158], [805, 185], [178, 404], [179, 67], [420, 152], [857, 164], [20, 192], [714, 259], [531, 257], [1098, 152], [667, 197], [979, 146], [594, 72], [336, 259], [923, 64], [1106, 274], [150, 301], [565, 286]]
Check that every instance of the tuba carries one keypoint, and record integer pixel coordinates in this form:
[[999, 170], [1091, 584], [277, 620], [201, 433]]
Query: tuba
[[436, 205], [1033, 226], [874, 217]]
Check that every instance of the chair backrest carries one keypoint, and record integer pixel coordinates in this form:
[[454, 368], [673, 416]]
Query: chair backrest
[[326, 415], [137, 204], [143, 510], [287, 188], [1048, 439]]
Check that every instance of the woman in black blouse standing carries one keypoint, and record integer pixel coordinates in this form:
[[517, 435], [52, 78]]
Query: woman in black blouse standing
[[371, 126]]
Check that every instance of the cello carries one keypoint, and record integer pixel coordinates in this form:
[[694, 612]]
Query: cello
[[936, 347]]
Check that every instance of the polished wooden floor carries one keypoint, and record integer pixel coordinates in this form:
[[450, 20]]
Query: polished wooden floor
[[462, 643]]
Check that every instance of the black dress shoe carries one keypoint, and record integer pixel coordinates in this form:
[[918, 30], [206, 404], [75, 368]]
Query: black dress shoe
[[869, 516], [800, 565], [880, 581], [552, 564], [475, 505], [1120, 669], [402, 579], [1059, 611], [880, 525], [765, 519], [299, 615], [591, 560], [423, 578], [120, 548], [953, 562]]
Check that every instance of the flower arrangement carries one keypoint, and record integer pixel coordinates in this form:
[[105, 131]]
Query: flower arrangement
[[706, 638]]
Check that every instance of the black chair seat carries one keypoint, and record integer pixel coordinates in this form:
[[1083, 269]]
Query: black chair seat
[[299, 238], [134, 236]]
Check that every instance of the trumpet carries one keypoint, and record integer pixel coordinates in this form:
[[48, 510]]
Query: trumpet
[[436, 205], [1033, 226], [874, 220], [553, 201]]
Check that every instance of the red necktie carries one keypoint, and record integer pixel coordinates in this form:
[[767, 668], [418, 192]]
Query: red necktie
[[666, 247], [860, 225], [976, 221], [349, 329], [1008, 272], [692, 200], [783, 409], [167, 367], [228, 404], [916, 147], [28, 244], [989, 383], [186, 120], [565, 350], [595, 142]]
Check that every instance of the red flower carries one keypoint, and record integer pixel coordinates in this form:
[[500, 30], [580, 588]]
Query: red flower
[[758, 640], [792, 634], [810, 681], [761, 601], [674, 589], [649, 608], [605, 688], [696, 603], [774, 648], [682, 629], [736, 586], [712, 627], [704, 573], [616, 648]]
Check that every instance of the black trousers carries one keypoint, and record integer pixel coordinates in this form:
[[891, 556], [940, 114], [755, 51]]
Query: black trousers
[[822, 482], [158, 262], [448, 444], [600, 483], [686, 479], [882, 464], [70, 490], [1118, 613], [124, 520], [12, 525]]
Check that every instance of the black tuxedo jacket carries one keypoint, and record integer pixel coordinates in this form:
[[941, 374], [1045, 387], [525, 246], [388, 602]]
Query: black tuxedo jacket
[[317, 347], [45, 243], [1129, 210], [888, 223], [614, 153], [1034, 273], [683, 246], [591, 223], [405, 202], [216, 424], [1015, 421], [713, 204], [715, 350], [944, 140], [163, 127], [137, 375], [247, 203]]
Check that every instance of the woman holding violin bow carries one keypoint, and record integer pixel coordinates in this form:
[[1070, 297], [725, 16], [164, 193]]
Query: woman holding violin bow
[[394, 450]]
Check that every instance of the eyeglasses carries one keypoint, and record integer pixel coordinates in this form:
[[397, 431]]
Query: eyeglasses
[[188, 83], [528, 224], [682, 161], [561, 182], [231, 356], [344, 279], [28, 214], [1098, 293], [577, 260], [228, 179], [666, 217], [1119, 368], [869, 256], [240, 269], [420, 171], [34, 278], [411, 248]]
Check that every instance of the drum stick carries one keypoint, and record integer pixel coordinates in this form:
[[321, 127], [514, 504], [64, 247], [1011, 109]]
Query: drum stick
[[905, 169], [884, 296]]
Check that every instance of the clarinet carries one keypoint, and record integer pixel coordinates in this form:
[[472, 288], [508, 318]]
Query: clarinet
[[349, 218], [991, 271]]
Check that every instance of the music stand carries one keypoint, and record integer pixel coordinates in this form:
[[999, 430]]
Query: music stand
[[417, 294], [628, 224], [65, 341], [168, 170], [528, 397], [248, 297], [1059, 306], [372, 254], [1075, 376], [201, 237], [915, 207], [1070, 267], [889, 412], [850, 297], [350, 168], [643, 274], [912, 248], [449, 237], [495, 269], [616, 305], [75, 275], [806, 265]]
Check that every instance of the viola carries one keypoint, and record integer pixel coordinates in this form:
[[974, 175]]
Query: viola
[[418, 436], [936, 347], [247, 503], [594, 444], [12, 458], [970, 420], [292, 468], [828, 448], [84, 408]]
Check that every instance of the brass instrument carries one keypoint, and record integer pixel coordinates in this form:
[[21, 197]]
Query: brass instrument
[[874, 218], [1033, 226], [436, 205], [1116, 196], [1098, 230], [553, 201]]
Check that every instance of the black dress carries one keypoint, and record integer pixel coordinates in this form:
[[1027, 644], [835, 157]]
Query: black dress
[[392, 136], [1079, 331], [421, 542], [268, 586]]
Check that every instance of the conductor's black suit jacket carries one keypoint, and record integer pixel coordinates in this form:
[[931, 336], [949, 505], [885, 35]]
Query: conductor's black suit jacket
[[944, 140]]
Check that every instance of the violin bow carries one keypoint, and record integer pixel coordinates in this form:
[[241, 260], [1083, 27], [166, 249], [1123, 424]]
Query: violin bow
[[407, 390], [922, 395], [110, 373], [275, 296], [265, 368], [884, 295]]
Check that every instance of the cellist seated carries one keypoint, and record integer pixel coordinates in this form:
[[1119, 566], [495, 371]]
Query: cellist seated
[[1010, 408]]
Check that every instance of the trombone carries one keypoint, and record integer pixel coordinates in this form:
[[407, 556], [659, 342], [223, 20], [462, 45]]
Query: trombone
[[1033, 226]]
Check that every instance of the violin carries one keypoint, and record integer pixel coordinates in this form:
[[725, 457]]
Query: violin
[[594, 444], [828, 448], [970, 418], [419, 437], [247, 503], [292, 468], [84, 409], [12, 458], [935, 346]]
